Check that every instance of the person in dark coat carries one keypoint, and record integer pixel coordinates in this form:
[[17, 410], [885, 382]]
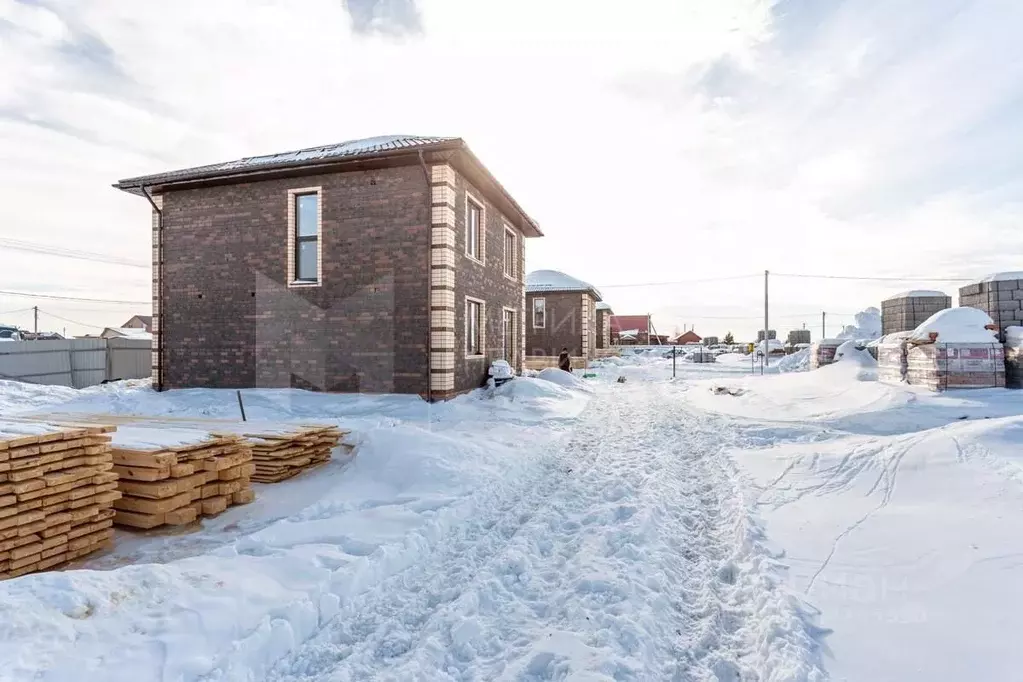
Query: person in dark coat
[[564, 362]]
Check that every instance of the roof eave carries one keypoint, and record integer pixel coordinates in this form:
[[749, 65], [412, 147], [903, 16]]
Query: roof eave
[[163, 181]]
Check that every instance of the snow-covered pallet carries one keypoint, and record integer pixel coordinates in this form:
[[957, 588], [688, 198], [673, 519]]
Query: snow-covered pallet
[[173, 476], [823, 352], [56, 492], [942, 366]]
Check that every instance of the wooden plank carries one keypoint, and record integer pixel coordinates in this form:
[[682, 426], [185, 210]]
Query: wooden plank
[[54, 551], [214, 505], [90, 540], [28, 486], [138, 520], [210, 489], [144, 506], [182, 469], [243, 496], [230, 474], [142, 458], [231, 487], [142, 473], [25, 562], [105, 477], [155, 490], [20, 541], [61, 445], [53, 561], [56, 530], [228, 461], [181, 517], [89, 528]]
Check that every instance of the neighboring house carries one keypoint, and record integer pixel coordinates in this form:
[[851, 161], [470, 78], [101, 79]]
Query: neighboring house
[[630, 330], [139, 322], [124, 333], [604, 314], [562, 314], [686, 337], [391, 264]]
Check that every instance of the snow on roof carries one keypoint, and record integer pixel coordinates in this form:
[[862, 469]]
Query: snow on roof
[[351, 148], [1003, 276], [957, 325], [918, 293], [552, 280], [603, 306]]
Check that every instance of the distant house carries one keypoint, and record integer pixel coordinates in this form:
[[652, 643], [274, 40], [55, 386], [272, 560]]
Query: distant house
[[562, 314], [687, 337], [391, 264], [630, 330], [139, 322], [604, 314], [124, 333]]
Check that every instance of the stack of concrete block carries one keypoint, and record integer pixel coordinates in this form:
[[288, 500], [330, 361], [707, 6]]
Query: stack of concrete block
[[771, 334], [798, 336], [1002, 299], [907, 311], [710, 341]]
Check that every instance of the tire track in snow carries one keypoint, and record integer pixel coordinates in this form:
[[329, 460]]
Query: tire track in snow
[[625, 559]]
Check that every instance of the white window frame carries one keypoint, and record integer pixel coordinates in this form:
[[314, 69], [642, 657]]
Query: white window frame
[[293, 195], [481, 331], [514, 253], [515, 335], [482, 234], [532, 315]]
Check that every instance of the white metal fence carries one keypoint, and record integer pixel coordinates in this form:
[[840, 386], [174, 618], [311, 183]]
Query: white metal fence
[[75, 362]]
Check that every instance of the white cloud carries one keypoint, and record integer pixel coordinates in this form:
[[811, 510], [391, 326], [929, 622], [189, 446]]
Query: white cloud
[[664, 141]]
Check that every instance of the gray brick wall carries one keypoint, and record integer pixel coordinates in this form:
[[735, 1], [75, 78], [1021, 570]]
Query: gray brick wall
[[909, 312], [1003, 301], [230, 320], [563, 328], [485, 281]]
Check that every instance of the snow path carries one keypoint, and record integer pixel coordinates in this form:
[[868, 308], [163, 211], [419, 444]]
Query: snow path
[[628, 554]]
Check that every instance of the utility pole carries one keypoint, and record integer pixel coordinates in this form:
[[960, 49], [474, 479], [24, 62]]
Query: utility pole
[[767, 345], [824, 325], [35, 314]]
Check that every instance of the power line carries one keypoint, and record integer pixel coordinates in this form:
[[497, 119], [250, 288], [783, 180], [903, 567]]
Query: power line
[[13, 312], [75, 254], [874, 279], [684, 281], [64, 319], [55, 297]]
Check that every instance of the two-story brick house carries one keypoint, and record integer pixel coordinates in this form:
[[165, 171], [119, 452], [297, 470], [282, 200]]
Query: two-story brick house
[[562, 314], [392, 264]]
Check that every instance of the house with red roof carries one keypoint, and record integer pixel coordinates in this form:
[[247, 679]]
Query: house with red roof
[[630, 330]]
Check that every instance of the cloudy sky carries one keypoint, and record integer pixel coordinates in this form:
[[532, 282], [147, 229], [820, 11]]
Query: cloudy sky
[[662, 141]]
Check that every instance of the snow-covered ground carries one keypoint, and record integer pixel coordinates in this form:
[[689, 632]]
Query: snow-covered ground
[[718, 525]]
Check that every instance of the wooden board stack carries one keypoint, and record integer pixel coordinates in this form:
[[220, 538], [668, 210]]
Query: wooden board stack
[[280, 454], [172, 476], [56, 492]]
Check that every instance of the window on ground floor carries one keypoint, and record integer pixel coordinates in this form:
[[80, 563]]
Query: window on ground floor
[[539, 313]]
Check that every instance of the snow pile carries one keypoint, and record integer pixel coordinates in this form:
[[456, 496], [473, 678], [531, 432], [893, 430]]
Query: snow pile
[[852, 353], [918, 293], [796, 362], [562, 378], [1003, 276], [868, 326], [774, 345], [1014, 335], [957, 325]]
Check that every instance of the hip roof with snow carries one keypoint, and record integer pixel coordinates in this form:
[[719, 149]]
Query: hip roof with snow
[[553, 281], [370, 152]]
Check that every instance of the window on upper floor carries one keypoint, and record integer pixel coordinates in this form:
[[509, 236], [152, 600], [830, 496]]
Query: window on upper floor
[[473, 229], [304, 240], [511, 253]]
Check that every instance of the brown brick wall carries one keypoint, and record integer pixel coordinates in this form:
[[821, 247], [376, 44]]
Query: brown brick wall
[[485, 281], [563, 328], [603, 328], [230, 319]]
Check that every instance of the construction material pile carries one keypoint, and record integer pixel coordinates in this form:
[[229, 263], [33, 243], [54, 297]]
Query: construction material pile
[[172, 476], [280, 453], [56, 492]]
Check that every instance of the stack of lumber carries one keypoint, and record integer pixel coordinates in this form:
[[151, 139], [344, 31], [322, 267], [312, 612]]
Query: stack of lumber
[[280, 450], [56, 492], [173, 476], [280, 453]]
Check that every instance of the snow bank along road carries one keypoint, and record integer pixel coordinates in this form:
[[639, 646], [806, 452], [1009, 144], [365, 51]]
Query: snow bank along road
[[627, 554], [542, 532]]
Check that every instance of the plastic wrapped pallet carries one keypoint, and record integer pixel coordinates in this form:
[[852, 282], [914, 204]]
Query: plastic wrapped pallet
[[1014, 357], [823, 352]]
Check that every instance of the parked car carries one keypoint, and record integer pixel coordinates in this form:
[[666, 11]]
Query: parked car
[[8, 333]]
